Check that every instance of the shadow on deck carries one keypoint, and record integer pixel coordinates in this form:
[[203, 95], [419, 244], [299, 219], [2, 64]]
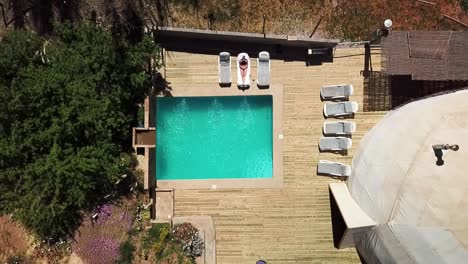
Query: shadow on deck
[[384, 92], [280, 47]]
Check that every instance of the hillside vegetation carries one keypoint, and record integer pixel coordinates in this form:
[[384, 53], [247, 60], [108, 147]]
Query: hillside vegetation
[[342, 19], [69, 102]]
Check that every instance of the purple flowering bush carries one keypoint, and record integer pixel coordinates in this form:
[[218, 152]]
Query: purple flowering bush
[[98, 240], [100, 250]]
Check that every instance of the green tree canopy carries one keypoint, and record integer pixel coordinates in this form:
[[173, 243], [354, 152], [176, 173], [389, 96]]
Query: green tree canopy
[[67, 107]]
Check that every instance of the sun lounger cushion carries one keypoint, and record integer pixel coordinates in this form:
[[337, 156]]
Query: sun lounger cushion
[[339, 128], [263, 69], [340, 109], [224, 68], [334, 143], [326, 167]]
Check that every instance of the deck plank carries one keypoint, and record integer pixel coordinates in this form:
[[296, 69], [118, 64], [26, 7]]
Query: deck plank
[[293, 224]]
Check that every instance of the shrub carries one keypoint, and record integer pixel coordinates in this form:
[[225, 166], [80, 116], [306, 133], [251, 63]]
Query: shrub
[[464, 4], [194, 248], [183, 232], [187, 237], [155, 238], [173, 253], [103, 250], [99, 250], [19, 259], [126, 252], [67, 107], [99, 241]]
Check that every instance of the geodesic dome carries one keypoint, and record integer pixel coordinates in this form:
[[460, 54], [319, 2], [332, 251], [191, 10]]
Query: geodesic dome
[[421, 209]]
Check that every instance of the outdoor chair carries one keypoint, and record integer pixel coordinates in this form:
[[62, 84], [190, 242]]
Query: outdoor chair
[[330, 168], [335, 143], [340, 109], [263, 70], [339, 128], [334, 92]]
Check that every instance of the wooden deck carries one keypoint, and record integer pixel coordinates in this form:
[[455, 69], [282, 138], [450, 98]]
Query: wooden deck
[[293, 224]]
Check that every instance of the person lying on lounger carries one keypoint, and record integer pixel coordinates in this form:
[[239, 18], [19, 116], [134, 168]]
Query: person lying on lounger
[[243, 71], [243, 65]]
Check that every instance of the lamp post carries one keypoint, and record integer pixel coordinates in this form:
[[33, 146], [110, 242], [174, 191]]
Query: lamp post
[[388, 23], [382, 31], [374, 37]]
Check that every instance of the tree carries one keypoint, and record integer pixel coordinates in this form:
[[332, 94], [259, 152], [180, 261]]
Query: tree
[[68, 105], [464, 4]]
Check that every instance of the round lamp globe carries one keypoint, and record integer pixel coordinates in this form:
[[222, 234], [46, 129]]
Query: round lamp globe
[[388, 23]]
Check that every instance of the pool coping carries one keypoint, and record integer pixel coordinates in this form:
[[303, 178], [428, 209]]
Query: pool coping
[[276, 91]]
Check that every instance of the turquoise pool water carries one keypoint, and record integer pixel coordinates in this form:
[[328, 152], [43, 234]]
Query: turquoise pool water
[[214, 137]]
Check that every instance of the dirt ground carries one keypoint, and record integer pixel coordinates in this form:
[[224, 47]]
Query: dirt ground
[[74, 259], [13, 239]]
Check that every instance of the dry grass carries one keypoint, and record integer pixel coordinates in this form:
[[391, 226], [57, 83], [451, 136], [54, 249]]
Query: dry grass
[[294, 17], [343, 19]]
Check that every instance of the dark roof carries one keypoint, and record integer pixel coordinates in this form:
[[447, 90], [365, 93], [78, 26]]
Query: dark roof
[[298, 41], [212, 42], [426, 55]]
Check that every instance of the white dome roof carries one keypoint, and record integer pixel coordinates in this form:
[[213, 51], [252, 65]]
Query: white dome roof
[[421, 208]]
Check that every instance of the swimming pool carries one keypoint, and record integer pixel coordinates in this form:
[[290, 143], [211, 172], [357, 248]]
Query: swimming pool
[[224, 137]]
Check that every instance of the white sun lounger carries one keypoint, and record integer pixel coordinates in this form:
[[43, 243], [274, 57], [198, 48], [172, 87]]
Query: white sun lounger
[[339, 91], [340, 109], [263, 69], [224, 68], [339, 128], [335, 143], [243, 82], [331, 168]]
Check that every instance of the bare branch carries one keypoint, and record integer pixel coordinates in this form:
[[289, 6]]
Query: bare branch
[[3, 14], [22, 14], [426, 2], [456, 20], [316, 27]]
